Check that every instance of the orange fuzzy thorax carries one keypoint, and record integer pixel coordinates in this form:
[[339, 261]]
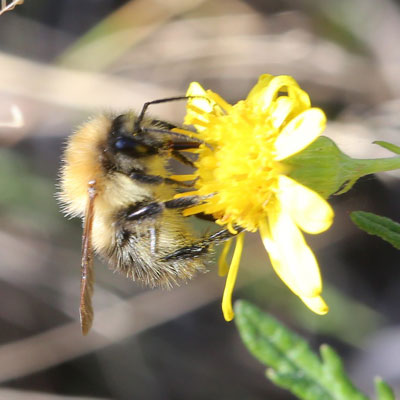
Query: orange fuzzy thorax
[[81, 164]]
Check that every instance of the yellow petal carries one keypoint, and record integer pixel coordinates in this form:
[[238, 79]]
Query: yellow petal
[[316, 304], [299, 133], [282, 107], [222, 264], [256, 92], [217, 99], [265, 97], [300, 98], [195, 89], [308, 209], [231, 279], [197, 107], [291, 258], [273, 252]]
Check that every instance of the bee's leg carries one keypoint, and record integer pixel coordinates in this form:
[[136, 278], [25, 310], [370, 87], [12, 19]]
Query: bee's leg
[[182, 158], [189, 201], [202, 246], [183, 202], [143, 210], [223, 235], [205, 217], [155, 179]]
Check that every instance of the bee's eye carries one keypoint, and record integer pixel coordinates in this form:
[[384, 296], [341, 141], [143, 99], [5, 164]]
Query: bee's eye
[[122, 144], [133, 147]]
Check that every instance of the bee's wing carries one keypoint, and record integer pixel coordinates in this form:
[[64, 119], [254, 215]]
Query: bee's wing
[[87, 274]]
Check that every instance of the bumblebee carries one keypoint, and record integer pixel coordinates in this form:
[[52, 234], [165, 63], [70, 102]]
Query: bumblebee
[[114, 176]]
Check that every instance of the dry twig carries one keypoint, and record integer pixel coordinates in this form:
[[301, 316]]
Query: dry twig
[[8, 7]]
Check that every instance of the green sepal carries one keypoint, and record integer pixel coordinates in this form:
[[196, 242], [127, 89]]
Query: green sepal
[[292, 363], [373, 224], [324, 168]]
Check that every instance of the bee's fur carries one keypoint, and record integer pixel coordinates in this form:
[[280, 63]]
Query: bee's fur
[[136, 225]]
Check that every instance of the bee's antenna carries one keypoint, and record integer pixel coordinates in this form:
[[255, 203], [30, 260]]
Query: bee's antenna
[[140, 118], [146, 106]]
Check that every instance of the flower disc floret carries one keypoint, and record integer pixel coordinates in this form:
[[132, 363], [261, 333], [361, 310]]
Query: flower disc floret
[[238, 165]]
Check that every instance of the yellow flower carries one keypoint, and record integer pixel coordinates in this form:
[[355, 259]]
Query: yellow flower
[[242, 174]]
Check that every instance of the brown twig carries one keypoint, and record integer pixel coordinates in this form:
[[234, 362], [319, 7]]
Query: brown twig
[[4, 7]]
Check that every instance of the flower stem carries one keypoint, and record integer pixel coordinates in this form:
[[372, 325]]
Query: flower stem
[[375, 165], [353, 169]]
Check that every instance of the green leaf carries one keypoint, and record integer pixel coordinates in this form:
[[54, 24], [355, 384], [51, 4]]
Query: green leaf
[[374, 224], [388, 146], [293, 365], [383, 390]]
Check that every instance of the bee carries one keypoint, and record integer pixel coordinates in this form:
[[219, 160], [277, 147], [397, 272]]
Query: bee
[[114, 176]]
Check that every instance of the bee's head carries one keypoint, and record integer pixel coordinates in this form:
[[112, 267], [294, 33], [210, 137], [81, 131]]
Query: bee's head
[[131, 147], [135, 144], [130, 140]]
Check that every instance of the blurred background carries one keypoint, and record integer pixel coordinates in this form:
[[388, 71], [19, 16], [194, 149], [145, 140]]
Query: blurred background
[[62, 61]]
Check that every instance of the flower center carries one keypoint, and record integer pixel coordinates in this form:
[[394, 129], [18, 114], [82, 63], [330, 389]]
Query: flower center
[[239, 168]]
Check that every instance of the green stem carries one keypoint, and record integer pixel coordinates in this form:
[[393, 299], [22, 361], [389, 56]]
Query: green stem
[[324, 168], [353, 169], [375, 165]]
